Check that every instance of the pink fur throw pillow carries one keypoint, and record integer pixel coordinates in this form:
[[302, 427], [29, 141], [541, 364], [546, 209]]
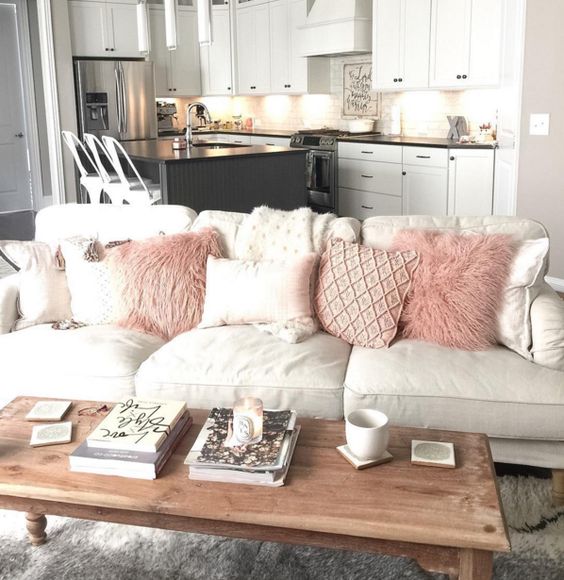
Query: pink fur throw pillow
[[457, 289], [360, 292], [159, 283]]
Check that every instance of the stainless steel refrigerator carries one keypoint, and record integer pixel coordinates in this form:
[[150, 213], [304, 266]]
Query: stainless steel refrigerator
[[116, 98]]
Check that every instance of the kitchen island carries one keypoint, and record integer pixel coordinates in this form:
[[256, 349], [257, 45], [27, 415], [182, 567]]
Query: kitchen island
[[223, 176]]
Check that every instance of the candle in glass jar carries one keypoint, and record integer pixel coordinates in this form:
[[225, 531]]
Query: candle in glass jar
[[247, 420]]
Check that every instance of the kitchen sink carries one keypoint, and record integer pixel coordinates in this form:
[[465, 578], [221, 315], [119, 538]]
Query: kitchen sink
[[216, 145]]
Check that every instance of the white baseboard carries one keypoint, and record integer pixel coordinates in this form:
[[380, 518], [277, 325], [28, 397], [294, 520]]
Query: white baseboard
[[556, 283]]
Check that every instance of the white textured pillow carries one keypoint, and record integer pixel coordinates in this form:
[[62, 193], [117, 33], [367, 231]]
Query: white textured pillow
[[247, 292], [43, 291], [89, 283], [525, 278]]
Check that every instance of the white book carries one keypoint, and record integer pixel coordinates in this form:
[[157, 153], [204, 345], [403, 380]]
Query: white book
[[137, 424], [48, 411]]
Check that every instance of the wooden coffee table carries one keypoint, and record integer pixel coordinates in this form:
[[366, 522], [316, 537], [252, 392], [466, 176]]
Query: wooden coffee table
[[449, 520]]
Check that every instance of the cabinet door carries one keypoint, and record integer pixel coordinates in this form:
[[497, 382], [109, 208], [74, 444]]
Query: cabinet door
[[246, 51], [279, 46], [470, 182], [160, 54], [416, 34], [362, 204], [122, 24], [185, 60], [89, 29], [450, 42], [262, 47], [425, 190], [216, 59], [386, 37], [371, 176], [273, 141], [485, 42]]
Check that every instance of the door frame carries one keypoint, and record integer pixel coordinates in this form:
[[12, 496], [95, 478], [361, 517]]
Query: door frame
[[53, 119], [30, 112]]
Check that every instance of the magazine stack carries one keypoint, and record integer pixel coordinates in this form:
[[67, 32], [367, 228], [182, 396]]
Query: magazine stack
[[135, 440], [264, 463]]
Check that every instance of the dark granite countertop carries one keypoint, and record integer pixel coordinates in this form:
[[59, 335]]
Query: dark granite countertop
[[161, 150], [380, 139]]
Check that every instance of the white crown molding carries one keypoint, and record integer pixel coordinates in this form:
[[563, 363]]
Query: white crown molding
[[556, 283]]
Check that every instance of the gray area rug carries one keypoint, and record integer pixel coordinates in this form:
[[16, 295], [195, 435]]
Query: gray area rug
[[85, 550]]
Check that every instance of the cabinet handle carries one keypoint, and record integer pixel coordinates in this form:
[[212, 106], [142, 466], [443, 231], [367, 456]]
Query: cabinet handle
[[253, 88], [367, 152], [404, 172], [400, 80], [395, 80], [366, 207], [112, 49], [452, 158], [423, 156], [367, 176], [106, 49], [270, 144], [464, 76], [228, 88], [458, 76]]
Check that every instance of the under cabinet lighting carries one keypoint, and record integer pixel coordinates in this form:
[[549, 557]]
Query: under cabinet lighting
[[143, 37], [205, 33], [170, 14]]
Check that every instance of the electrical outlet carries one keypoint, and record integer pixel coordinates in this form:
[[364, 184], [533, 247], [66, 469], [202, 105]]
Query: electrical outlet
[[539, 124]]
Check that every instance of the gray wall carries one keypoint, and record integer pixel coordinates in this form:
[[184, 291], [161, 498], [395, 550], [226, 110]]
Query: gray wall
[[540, 192]]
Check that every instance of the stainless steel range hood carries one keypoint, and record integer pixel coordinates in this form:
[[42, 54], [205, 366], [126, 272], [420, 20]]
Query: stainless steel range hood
[[337, 27]]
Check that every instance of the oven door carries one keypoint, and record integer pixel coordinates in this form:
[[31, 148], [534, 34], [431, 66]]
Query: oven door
[[320, 178]]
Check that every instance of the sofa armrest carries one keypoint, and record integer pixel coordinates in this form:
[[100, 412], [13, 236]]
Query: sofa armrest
[[9, 290], [547, 325]]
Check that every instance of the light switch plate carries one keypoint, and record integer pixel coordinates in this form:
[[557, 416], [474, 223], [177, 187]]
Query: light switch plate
[[539, 124]]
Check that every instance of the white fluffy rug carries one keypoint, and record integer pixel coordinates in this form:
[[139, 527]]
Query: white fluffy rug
[[84, 550]]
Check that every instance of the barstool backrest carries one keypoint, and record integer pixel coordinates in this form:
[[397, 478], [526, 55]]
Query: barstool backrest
[[99, 151], [74, 144]]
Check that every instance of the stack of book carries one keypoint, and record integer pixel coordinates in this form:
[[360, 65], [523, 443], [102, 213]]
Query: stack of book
[[263, 463], [134, 440]]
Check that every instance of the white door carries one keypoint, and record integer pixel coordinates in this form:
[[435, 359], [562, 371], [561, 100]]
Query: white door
[[262, 35], [470, 182], [122, 24], [485, 42], [246, 51], [160, 55], [416, 22], [216, 59], [509, 118], [424, 190], [279, 47], [186, 58], [15, 176]]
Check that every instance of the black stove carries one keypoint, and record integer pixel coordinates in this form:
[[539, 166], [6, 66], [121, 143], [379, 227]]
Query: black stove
[[324, 139]]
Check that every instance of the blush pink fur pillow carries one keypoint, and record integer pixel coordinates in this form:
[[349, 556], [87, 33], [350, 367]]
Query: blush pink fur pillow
[[457, 288], [160, 283]]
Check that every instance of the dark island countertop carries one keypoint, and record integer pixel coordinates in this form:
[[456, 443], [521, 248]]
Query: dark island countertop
[[160, 150]]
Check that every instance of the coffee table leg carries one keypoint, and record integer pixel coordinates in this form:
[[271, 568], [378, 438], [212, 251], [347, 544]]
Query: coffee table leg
[[36, 524], [475, 564]]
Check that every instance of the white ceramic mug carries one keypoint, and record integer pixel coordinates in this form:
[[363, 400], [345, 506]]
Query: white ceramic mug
[[367, 433]]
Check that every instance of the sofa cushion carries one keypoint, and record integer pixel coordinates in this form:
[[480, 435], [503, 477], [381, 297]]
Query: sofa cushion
[[420, 384], [213, 367], [92, 362]]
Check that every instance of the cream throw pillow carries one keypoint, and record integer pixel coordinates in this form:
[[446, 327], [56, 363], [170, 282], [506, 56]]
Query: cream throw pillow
[[43, 290], [525, 277], [247, 292], [89, 282]]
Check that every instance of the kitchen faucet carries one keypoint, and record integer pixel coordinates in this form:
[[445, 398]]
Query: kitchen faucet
[[189, 118]]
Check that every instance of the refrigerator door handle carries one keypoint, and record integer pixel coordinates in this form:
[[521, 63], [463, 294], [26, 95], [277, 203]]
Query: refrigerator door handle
[[124, 100], [118, 96]]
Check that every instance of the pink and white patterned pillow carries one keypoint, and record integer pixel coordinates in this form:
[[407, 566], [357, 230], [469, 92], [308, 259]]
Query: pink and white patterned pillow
[[360, 292]]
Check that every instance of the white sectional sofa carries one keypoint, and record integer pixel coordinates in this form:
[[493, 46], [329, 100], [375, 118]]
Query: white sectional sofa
[[519, 403]]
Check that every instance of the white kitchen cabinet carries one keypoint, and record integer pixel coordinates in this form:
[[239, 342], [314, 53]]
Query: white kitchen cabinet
[[465, 43], [425, 190], [103, 29], [401, 36], [373, 176], [216, 59], [363, 204], [290, 73], [237, 139], [253, 50], [470, 182], [274, 141], [177, 72]]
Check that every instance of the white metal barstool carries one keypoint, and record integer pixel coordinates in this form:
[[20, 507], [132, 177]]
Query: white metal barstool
[[137, 191], [92, 182]]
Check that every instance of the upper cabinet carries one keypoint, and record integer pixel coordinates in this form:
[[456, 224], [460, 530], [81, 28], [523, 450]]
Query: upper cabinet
[[401, 34], [216, 59], [253, 49], [177, 72], [103, 29], [465, 43]]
